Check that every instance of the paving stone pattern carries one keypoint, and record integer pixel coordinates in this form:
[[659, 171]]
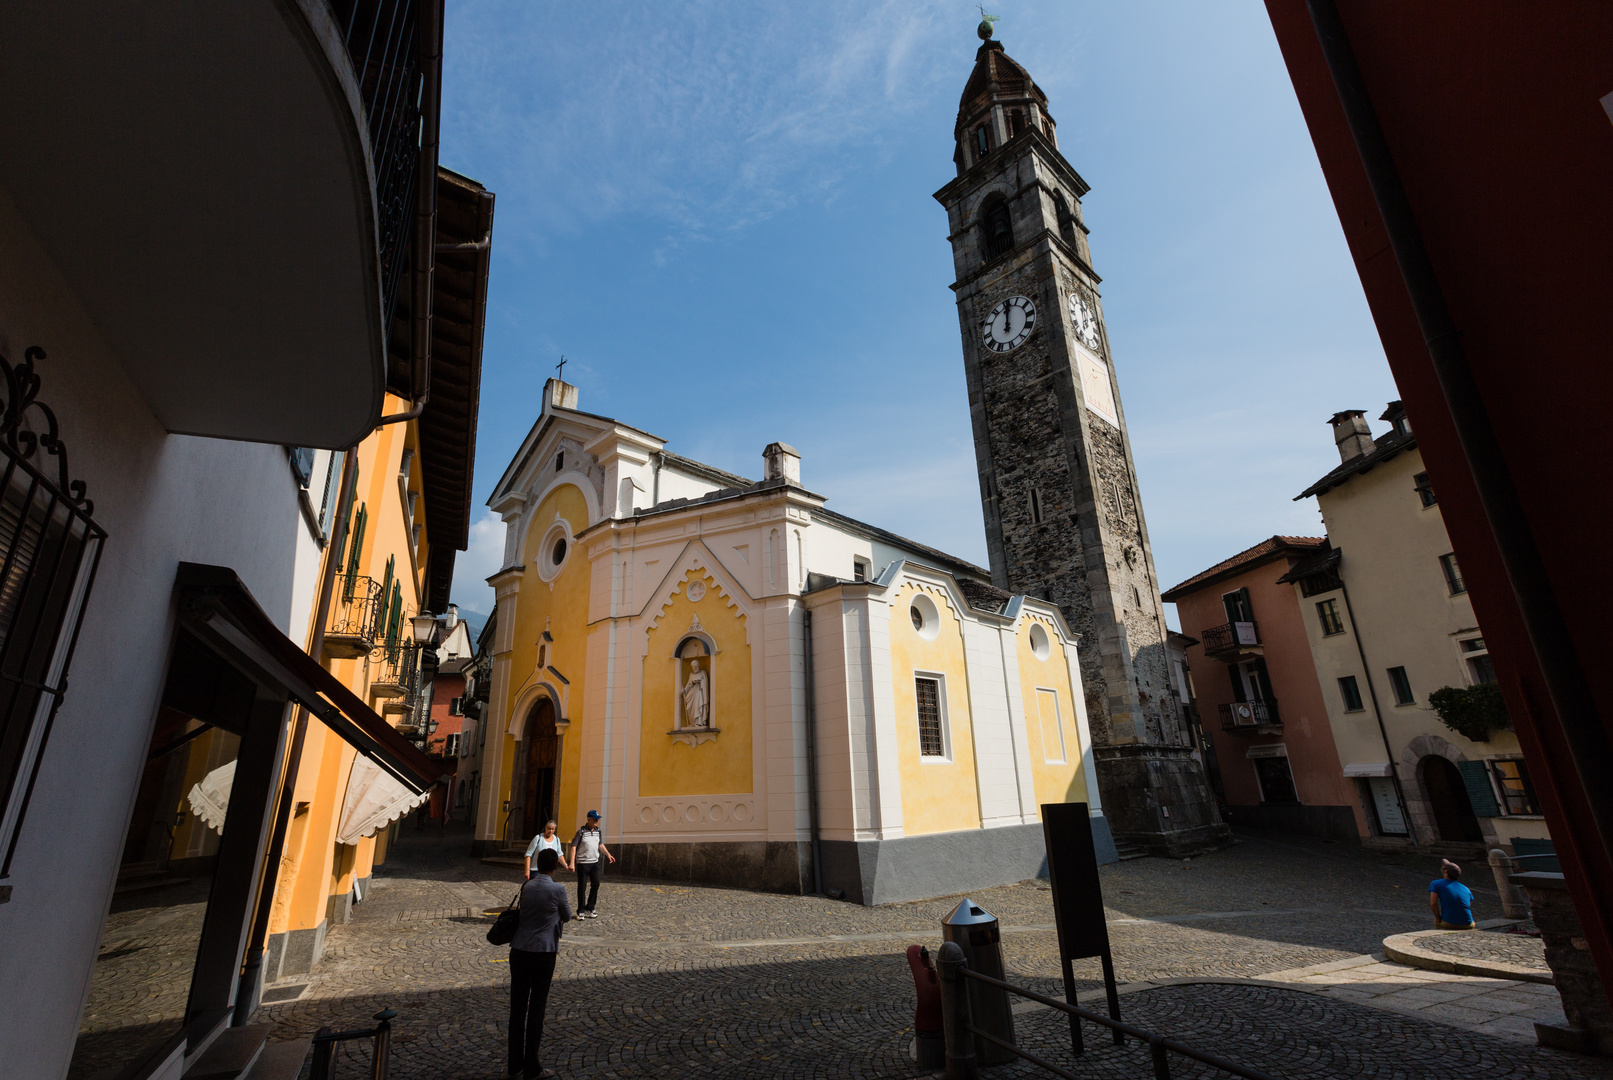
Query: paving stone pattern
[[1519, 949], [683, 981]]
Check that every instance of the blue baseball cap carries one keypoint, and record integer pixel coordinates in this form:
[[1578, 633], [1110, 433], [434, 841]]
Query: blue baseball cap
[[593, 815]]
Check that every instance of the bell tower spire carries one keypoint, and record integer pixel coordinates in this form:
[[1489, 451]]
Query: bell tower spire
[[1057, 479]]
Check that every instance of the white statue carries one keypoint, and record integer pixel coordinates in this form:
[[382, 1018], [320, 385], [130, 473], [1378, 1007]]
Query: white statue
[[695, 698]]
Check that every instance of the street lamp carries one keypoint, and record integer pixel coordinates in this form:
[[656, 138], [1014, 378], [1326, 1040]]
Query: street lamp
[[425, 625]]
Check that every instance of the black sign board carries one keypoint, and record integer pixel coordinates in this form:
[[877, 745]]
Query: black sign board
[[1072, 870]]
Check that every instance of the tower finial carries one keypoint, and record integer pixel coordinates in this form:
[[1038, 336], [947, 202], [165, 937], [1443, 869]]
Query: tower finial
[[984, 29]]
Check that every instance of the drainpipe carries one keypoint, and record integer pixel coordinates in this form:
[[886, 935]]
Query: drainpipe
[[246, 996], [812, 760], [1551, 641], [1372, 692]]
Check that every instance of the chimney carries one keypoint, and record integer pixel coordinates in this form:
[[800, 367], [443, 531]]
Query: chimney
[[453, 616], [781, 461], [558, 394], [1351, 433], [1395, 417]]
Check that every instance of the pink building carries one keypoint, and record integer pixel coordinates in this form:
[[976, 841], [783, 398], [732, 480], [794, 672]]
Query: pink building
[[1259, 699]]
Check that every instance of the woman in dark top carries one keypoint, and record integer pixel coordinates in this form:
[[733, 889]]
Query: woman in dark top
[[532, 955]]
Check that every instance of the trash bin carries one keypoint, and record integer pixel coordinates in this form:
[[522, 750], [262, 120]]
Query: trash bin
[[978, 933]]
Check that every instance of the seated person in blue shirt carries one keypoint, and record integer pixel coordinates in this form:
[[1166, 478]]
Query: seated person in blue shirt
[[1450, 900]]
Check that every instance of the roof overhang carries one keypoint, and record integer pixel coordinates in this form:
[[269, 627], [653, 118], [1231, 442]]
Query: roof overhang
[[200, 175], [218, 607]]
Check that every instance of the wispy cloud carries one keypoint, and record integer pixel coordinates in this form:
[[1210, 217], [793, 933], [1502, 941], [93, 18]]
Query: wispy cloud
[[703, 123]]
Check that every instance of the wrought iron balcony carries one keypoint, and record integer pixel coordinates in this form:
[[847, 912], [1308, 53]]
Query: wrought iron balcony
[[394, 670], [1252, 717], [355, 609], [1231, 639]]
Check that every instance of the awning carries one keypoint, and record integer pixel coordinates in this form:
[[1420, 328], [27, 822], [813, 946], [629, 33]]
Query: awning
[[215, 604], [1356, 770], [374, 801]]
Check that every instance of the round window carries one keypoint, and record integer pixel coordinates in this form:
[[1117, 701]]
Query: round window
[[926, 617], [552, 551], [558, 555], [1041, 647]]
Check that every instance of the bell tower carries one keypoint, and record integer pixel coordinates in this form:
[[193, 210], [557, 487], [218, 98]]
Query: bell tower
[[1057, 480]]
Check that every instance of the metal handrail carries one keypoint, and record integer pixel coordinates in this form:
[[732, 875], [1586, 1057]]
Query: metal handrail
[[953, 968], [325, 1041], [1228, 636]]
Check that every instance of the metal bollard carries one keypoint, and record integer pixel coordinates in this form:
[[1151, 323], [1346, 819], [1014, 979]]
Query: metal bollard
[[381, 1062], [955, 1018], [1514, 905], [978, 935]]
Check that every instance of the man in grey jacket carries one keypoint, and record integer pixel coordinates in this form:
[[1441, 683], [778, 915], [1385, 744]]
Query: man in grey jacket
[[544, 911]]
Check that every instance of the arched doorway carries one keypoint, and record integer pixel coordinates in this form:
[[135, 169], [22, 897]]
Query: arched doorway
[[1447, 797], [540, 778]]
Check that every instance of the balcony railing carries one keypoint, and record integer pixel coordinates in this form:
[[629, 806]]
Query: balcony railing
[[1250, 716], [1230, 637], [383, 40], [393, 670], [354, 612]]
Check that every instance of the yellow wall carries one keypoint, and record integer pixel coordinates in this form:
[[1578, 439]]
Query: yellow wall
[[1054, 782], [937, 796], [561, 607], [720, 766]]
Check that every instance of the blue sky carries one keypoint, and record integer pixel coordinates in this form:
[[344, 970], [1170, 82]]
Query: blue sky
[[721, 214]]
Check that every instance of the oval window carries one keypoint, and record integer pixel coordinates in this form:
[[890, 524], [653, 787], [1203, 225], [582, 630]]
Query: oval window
[[926, 617], [559, 551], [1041, 647]]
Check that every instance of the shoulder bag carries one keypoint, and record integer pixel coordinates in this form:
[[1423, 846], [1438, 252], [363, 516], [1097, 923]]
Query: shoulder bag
[[502, 932]]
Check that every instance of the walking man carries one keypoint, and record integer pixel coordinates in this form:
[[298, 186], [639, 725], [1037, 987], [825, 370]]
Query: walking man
[[532, 955], [586, 848]]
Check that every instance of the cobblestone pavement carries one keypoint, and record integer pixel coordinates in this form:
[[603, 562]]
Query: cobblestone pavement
[[690, 981], [1520, 949]]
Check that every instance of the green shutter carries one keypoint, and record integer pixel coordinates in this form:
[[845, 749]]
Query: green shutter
[[1479, 792], [394, 621], [360, 520]]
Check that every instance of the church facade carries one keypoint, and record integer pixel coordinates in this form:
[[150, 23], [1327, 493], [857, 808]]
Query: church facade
[[1058, 484], [753, 689]]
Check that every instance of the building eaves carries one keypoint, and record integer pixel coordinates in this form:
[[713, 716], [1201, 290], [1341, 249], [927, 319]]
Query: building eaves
[[709, 472], [1316, 564], [874, 532], [1384, 448], [1275, 547]]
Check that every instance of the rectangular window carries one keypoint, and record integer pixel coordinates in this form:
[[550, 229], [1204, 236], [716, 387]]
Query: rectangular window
[[451, 746], [1328, 612], [456, 706], [1036, 506], [982, 141], [1477, 657], [327, 503], [1047, 707], [1424, 489], [1512, 784], [860, 571], [1401, 685], [1453, 574], [1351, 694], [932, 741]]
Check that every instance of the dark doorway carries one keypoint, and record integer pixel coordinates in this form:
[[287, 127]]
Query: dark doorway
[[1276, 780], [542, 768], [1453, 813]]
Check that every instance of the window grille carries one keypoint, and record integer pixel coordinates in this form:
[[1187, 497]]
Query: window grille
[[50, 547], [1328, 612], [931, 741], [1453, 574]]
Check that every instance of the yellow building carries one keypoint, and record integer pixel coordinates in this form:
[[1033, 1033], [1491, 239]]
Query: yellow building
[[743, 682], [389, 556]]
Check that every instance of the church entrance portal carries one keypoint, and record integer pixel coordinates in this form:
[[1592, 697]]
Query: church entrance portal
[[1447, 795], [541, 776]]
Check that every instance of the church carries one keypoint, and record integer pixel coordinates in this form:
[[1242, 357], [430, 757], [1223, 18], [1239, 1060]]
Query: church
[[754, 689]]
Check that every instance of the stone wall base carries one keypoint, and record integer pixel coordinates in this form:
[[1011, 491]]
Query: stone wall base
[[1572, 968], [767, 865], [943, 864], [294, 952], [1157, 798], [1322, 822]]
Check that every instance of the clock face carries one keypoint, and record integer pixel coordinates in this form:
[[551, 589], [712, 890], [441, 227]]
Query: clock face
[[1086, 325], [1009, 324]]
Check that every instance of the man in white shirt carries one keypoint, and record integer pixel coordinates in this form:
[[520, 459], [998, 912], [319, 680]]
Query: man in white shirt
[[586, 848]]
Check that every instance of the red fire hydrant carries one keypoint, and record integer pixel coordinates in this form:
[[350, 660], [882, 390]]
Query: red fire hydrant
[[929, 1048]]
